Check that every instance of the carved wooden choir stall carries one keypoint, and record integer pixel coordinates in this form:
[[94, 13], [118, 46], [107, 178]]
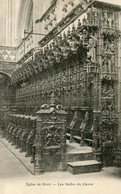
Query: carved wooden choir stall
[[79, 66]]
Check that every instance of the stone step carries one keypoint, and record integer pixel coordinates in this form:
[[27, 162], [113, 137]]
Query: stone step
[[72, 157], [117, 161], [75, 152], [77, 139], [80, 167]]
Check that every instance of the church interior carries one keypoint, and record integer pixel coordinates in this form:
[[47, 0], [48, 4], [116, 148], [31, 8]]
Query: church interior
[[60, 83]]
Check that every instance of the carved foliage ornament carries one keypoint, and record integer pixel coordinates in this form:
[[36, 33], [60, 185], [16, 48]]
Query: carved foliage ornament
[[51, 136]]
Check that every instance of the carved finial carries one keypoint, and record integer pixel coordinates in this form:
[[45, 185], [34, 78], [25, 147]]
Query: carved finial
[[73, 29], [52, 100], [68, 32], [60, 38], [84, 21], [47, 47], [79, 24], [59, 107], [44, 106], [50, 46], [71, 3], [64, 35]]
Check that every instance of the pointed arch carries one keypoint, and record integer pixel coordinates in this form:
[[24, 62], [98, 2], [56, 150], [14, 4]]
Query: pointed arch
[[25, 17]]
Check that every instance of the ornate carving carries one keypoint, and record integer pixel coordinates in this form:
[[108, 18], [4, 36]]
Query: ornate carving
[[107, 91], [51, 136], [77, 11], [50, 128], [65, 48], [56, 51]]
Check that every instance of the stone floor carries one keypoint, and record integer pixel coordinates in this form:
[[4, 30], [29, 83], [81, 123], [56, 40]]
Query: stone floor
[[16, 178]]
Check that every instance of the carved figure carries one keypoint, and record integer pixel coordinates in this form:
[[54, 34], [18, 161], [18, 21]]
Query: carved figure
[[91, 54]]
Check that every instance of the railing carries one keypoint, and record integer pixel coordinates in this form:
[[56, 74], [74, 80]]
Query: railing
[[8, 54], [25, 46]]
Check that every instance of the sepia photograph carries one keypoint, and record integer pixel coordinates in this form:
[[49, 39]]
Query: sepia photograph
[[60, 96]]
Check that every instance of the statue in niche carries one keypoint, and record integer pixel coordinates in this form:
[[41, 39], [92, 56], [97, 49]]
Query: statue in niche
[[110, 21], [105, 20], [91, 54], [72, 124], [83, 126], [106, 45]]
